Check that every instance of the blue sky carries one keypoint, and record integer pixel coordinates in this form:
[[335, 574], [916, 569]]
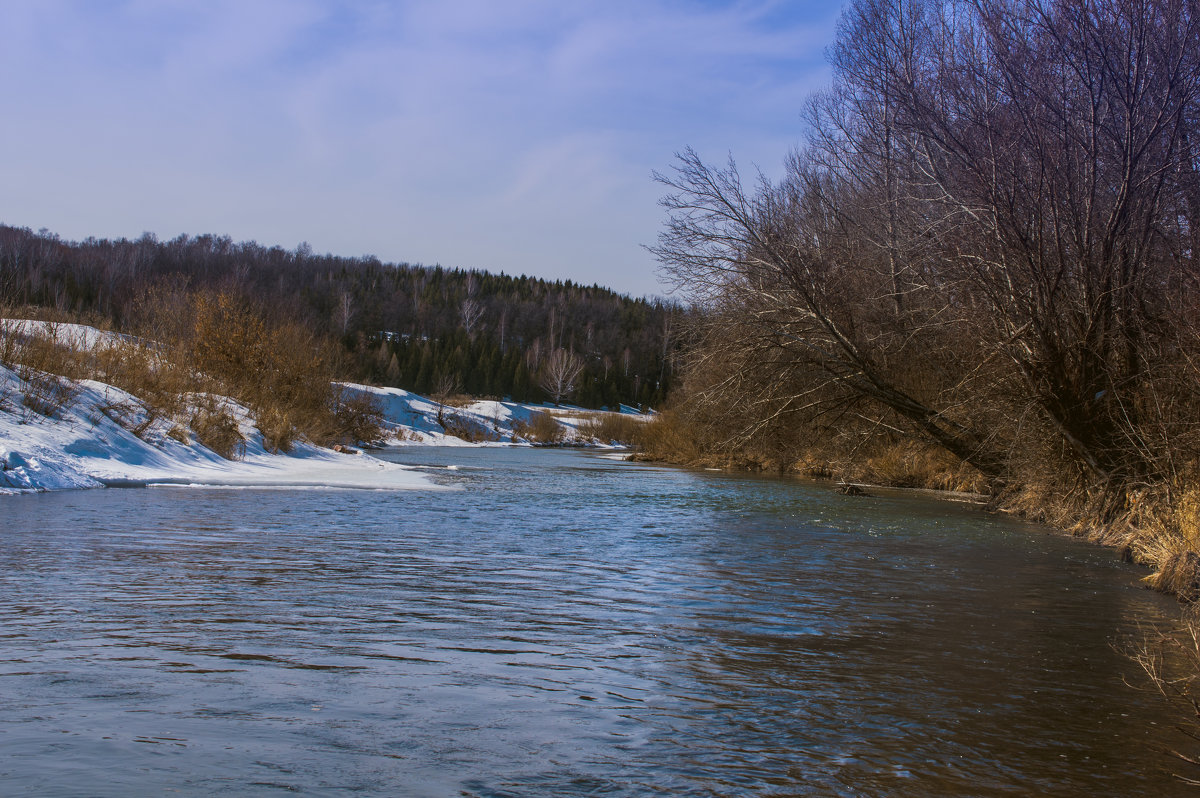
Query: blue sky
[[514, 136]]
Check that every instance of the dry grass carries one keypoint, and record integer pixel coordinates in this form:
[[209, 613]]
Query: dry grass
[[612, 428], [47, 369], [541, 428], [670, 438], [1163, 530], [906, 464], [457, 401], [1170, 659], [47, 394]]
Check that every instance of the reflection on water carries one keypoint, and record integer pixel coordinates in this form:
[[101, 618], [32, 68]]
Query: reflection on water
[[565, 624]]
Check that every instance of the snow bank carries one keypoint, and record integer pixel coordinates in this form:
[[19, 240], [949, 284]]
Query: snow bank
[[413, 419], [74, 336], [88, 443]]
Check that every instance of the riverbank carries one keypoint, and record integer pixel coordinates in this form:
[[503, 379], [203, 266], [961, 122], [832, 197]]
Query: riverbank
[[102, 436], [59, 430], [1155, 527], [409, 419]]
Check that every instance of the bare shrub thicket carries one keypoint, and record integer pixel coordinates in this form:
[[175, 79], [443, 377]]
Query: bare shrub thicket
[[540, 428], [465, 428], [1170, 659], [216, 426], [46, 368], [611, 428], [987, 246], [197, 343]]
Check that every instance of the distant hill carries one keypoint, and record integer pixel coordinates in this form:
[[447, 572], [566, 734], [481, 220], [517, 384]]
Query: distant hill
[[425, 329]]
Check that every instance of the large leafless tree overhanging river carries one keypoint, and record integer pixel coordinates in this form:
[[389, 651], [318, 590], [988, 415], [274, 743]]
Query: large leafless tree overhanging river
[[565, 624]]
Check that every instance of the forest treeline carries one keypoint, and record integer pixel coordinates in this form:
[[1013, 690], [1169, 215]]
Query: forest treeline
[[979, 270], [428, 329]]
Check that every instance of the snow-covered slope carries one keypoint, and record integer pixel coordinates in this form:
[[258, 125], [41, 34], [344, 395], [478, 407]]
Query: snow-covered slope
[[414, 419], [88, 443], [91, 434]]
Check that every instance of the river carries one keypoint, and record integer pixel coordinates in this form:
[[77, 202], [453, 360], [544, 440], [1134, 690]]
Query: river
[[563, 624]]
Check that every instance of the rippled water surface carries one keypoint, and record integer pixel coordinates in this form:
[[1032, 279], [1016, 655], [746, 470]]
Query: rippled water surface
[[565, 624]]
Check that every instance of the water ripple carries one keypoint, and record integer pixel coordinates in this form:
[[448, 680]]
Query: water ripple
[[565, 625]]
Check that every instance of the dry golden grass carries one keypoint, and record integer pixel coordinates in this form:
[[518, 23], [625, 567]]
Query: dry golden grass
[[906, 464], [670, 438], [1163, 531], [612, 428]]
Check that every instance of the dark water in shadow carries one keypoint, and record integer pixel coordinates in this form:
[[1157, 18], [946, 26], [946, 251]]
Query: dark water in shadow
[[563, 625]]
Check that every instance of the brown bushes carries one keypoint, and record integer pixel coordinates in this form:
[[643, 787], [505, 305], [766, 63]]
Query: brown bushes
[[206, 343], [465, 428], [356, 417], [541, 428], [47, 394], [612, 428], [217, 428], [670, 437]]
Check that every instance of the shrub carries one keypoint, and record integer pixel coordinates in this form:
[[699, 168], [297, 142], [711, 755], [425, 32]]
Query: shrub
[[38, 351], [203, 343], [357, 418], [465, 428], [612, 428], [217, 428], [47, 393], [278, 432], [146, 371], [540, 428], [671, 438]]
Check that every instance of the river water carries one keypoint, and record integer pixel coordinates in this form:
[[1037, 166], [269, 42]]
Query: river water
[[563, 624]]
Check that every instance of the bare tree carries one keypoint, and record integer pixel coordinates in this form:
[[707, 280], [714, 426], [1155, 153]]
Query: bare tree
[[470, 312], [345, 311], [787, 289], [986, 236], [559, 376]]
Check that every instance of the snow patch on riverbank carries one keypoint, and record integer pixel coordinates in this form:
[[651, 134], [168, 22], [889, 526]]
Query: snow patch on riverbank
[[58, 434], [88, 443], [411, 419]]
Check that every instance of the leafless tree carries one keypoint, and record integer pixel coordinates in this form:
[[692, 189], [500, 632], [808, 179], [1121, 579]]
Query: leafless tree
[[987, 235], [471, 312], [1054, 133], [786, 288], [559, 376], [345, 311]]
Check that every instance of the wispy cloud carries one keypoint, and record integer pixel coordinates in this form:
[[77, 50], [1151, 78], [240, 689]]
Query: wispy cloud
[[514, 136]]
